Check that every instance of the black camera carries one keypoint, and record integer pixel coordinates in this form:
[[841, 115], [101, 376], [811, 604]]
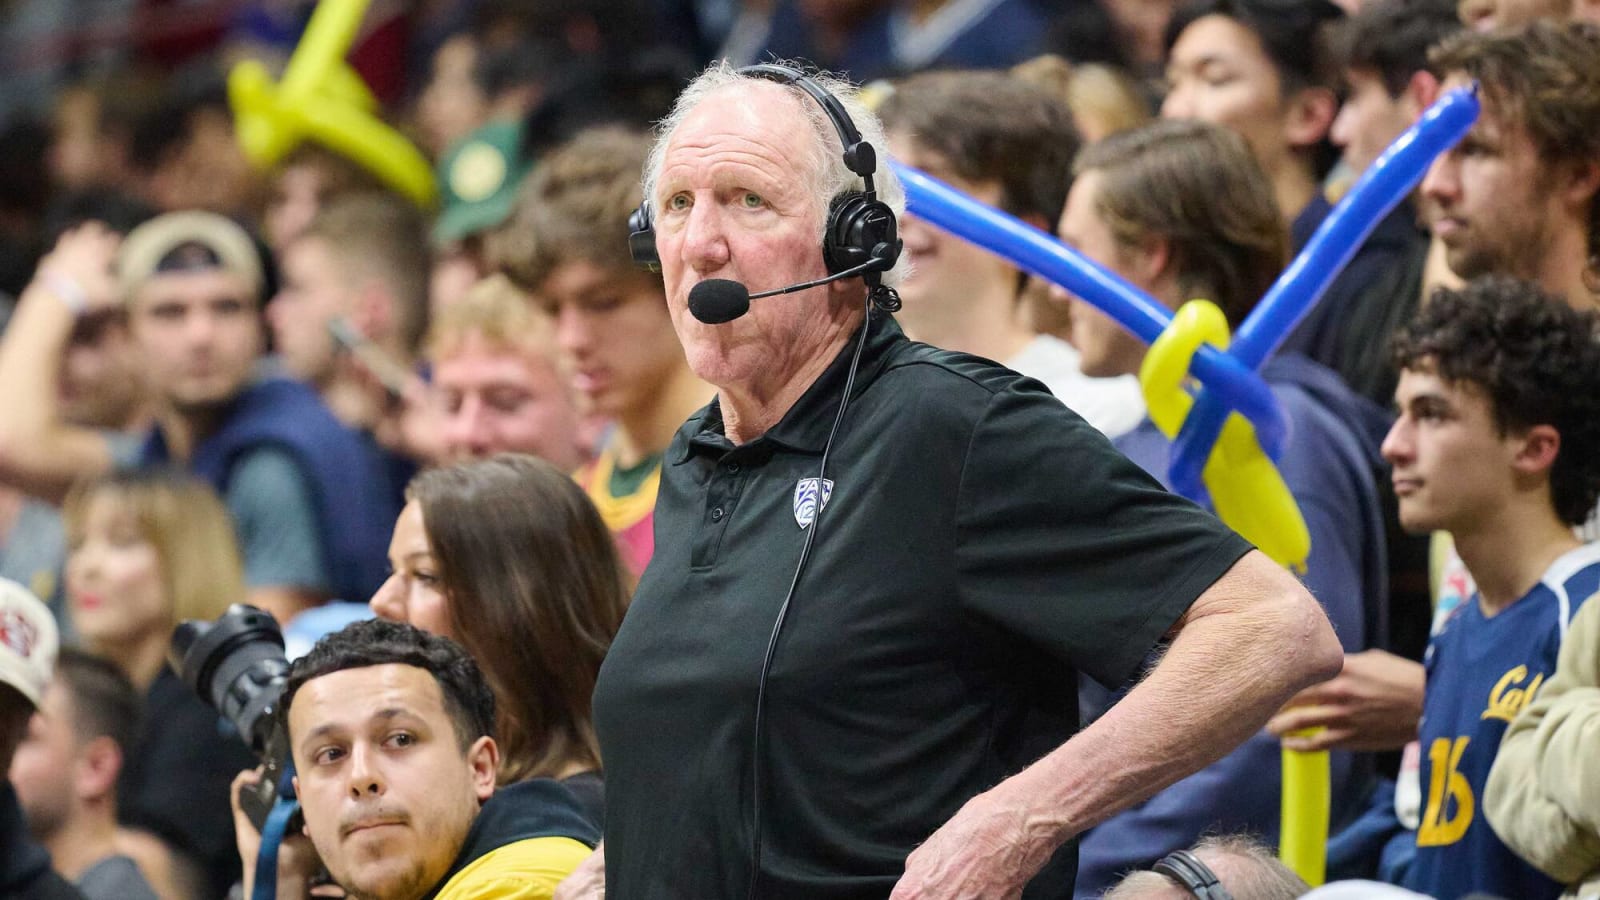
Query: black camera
[[237, 665]]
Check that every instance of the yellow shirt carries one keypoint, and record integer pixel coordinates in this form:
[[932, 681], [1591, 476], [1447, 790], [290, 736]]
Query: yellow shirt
[[526, 870]]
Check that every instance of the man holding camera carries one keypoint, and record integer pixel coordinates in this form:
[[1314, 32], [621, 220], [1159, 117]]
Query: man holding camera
[[391, 731]]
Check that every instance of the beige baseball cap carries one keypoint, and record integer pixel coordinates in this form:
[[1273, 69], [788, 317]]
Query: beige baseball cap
[[187, 241], [29, 641]]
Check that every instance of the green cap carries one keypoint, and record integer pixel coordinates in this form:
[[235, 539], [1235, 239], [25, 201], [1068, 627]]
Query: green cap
[[478, 181]]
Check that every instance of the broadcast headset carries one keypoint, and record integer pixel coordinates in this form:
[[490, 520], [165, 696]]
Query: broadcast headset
[[1186, 870], [861, 237]]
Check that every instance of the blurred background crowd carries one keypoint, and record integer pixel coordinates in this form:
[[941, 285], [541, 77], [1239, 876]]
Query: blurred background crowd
[[220, 381]]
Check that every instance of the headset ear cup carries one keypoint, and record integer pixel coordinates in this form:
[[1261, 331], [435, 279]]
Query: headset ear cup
[[838, 252], [857, 227], [880, 233], [642, 238]]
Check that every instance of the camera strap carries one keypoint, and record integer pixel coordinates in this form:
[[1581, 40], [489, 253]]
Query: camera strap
[[272, 834]]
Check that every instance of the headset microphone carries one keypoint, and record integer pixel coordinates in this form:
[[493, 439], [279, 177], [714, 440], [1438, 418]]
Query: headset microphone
[[718, 300]]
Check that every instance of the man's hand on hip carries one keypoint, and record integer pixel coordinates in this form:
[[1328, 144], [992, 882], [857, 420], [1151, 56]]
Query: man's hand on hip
[[988, 849]]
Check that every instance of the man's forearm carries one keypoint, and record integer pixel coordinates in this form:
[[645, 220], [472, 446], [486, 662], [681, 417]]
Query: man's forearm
[[1232, 664]]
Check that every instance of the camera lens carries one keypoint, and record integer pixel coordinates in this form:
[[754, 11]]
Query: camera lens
[[237, 665]]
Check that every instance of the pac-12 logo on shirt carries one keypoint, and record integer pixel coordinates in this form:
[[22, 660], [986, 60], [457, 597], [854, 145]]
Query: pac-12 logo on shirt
[[805, 500]]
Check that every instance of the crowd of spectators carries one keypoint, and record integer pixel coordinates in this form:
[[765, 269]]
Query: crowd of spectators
[[295, 387]]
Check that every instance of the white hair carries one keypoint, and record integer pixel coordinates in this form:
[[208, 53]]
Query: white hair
[[822, 162], [1244, 865]]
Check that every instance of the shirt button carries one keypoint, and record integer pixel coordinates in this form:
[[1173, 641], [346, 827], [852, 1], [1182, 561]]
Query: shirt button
[[717, 514], [733, 468]]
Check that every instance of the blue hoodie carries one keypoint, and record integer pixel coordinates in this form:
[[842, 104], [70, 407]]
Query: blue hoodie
[[354, 492], [1330, 464]]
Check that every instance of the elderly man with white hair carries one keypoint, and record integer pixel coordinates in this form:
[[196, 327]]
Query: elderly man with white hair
[[849, 668]]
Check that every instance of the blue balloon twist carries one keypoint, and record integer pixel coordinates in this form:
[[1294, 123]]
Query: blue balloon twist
[[1041, 254], [1229, 379], [1385, 183]]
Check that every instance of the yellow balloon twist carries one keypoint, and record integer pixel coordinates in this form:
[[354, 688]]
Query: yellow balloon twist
[[321, 97], [1245, 487], [1303, 814], [1251, 497]]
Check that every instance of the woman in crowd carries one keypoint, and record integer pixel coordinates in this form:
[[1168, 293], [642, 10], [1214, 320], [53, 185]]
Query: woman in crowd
[[147, 550], [509, 557]]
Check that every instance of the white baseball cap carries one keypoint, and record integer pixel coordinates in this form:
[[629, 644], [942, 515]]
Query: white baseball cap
[[29, 641], [183, 241]]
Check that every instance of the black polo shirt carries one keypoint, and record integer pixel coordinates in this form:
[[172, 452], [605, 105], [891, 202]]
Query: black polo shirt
[[980, 545]]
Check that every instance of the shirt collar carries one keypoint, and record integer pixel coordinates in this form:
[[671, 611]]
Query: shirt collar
[[804, 428]]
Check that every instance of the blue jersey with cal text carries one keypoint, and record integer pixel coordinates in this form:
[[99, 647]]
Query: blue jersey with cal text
[[1481, 673]]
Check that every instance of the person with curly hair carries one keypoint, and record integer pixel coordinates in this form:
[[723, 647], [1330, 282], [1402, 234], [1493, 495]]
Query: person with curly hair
[[1498, 443], [1518, 197]]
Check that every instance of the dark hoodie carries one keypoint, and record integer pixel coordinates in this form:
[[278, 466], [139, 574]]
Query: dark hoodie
[[1350, 327], [537, 808], [25, 872]]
